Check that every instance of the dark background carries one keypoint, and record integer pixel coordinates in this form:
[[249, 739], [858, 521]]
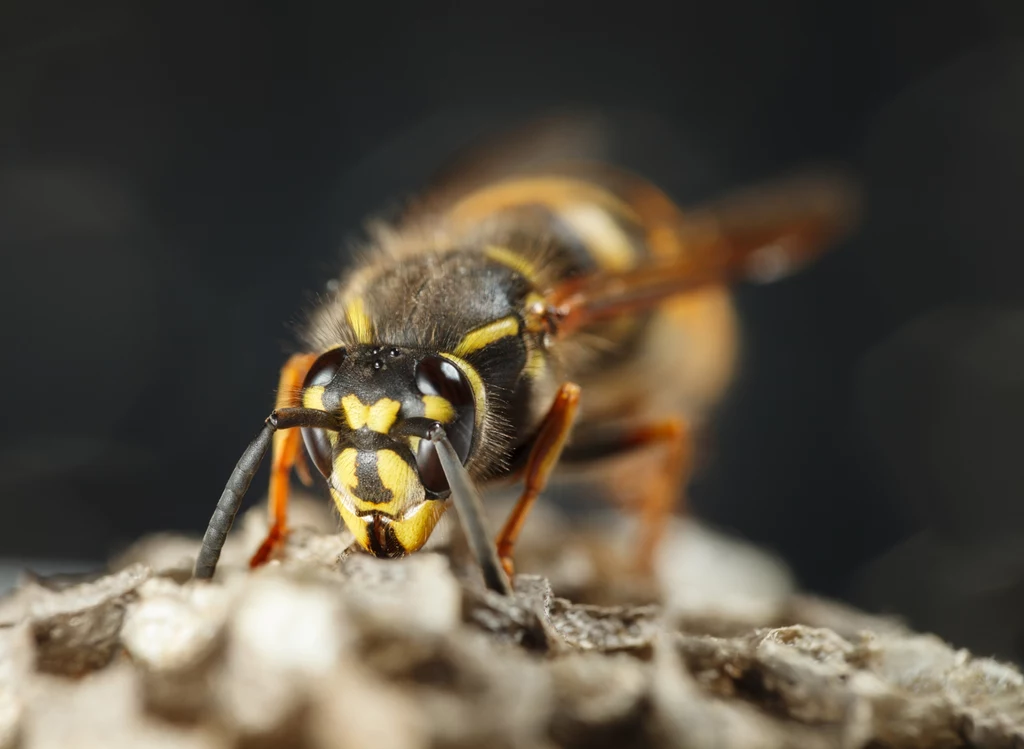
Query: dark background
[[173, 179]]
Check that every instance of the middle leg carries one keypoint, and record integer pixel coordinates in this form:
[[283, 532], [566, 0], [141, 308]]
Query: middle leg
[[544, 454]]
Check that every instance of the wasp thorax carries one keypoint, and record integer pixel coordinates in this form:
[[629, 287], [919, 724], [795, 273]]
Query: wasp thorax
[[384, 475]]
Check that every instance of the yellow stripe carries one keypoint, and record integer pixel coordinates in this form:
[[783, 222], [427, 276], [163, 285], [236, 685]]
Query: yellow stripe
[[391, 476], [353, 522], [513, 260], [475, 383], [487, 334], [554, 192], [313, 397], [535, 362], [603, 236], [383, 414], [379, 417], [355, 311], [356, 414], [413, 530], [437, 408], [395, 474], [345, 468]]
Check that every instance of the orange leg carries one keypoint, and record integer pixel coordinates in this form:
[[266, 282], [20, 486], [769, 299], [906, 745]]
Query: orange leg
[[285, 453], [544, 455], [664, 490]]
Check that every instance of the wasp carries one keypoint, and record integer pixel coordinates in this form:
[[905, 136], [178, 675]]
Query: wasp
[[527, 314]]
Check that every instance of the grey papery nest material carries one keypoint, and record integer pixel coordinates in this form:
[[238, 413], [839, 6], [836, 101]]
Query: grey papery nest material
[[329, 648]]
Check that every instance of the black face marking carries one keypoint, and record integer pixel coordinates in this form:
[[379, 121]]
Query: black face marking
[[369, 487], [371, 373]]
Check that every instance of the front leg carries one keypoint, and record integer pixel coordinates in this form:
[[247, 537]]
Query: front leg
[[544, 454], [284, 453]]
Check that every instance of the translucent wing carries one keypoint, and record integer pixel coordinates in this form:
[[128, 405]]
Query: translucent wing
[[759, 234]]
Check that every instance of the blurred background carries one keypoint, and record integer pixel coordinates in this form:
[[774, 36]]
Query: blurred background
[[174, 180]]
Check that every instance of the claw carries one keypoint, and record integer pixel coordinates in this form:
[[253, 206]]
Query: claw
[[274, 541]]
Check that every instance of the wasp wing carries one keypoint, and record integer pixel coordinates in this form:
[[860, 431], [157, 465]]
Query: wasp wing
[[760, 234]]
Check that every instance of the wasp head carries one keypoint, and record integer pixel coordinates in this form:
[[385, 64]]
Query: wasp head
[[384, 475]]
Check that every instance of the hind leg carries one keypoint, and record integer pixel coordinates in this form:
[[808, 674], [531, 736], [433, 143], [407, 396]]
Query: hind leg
[[658, 494]]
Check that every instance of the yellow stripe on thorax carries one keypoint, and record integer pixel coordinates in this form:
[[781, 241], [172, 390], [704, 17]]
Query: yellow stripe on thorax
[[379, 417], [487, 334], [554, 192], [596, 214], [355, 311], [513, 260], [602, 234]]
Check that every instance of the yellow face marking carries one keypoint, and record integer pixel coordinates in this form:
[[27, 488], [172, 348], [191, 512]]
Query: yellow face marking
[[409, 513], [379, 417], [400, 478], [352, 521], [345, 468], [355, 311], [395, 475], [437, 408], [313, 397], [383, 414], [513, 260], [487, 334], [366, 507], [413, 529], [477, 385]]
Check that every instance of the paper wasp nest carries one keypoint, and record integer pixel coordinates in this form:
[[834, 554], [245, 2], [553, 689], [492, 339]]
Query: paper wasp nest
[[329, 649]]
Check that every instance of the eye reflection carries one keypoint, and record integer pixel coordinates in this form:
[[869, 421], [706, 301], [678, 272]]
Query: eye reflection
[[324, 368]]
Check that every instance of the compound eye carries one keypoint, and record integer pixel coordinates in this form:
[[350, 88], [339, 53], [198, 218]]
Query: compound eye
[[324, 368], [317, 443], [436, 375]]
